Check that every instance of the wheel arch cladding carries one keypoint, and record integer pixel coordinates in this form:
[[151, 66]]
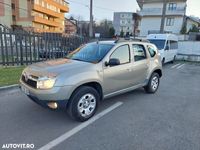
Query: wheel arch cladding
[[97, 86], [158, 71]]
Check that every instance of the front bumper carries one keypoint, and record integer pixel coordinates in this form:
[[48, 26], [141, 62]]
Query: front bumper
[[55, 93], [62, 104], [60, 95]]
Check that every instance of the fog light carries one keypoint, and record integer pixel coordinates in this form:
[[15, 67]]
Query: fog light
[[53, 105]]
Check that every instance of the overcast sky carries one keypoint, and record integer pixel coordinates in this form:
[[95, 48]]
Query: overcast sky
[[103, 9]]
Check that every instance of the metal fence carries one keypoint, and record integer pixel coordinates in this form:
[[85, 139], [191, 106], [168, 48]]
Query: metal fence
[[22, 48]]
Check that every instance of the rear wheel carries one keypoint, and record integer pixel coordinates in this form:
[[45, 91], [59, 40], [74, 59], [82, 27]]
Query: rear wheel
[[153, 83], [174, 59], [83, 103]]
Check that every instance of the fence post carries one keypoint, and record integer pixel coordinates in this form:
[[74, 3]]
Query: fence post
[[11, 46], [26, 49], [2, 47], [21, 48], [30, 50], [34, 50], [6, 47]]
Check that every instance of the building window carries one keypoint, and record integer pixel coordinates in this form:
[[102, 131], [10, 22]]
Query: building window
[[36, 2], [122, 22], [13, 6], [170, 22], [172, 6], [43, 5]]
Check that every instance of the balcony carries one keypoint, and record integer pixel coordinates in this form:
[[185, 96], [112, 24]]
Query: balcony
[[150, 12], [177, 11], [49, 12], [62, 5], [158, 11], [45, 21]]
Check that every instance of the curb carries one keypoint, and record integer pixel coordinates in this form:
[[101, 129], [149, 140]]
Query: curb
[[10, 87]]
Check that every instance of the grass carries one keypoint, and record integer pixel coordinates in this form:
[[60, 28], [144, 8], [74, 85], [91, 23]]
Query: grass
[[10, 75]]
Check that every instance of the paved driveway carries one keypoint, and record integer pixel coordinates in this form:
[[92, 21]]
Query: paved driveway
[[167, 120]]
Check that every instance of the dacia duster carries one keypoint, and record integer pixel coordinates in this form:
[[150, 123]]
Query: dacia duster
[[91, 73]]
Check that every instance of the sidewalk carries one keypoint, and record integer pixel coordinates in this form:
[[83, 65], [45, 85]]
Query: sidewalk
[[10, 87]]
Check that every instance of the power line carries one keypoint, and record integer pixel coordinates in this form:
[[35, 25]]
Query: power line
[[99, 7]]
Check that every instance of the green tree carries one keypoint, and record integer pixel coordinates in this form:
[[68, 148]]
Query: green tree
[[184, 29], [111, 32], [122, 33], [105, 28], [194, 29]]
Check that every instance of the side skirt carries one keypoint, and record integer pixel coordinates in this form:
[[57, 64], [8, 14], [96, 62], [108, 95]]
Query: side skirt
[[124, 90]]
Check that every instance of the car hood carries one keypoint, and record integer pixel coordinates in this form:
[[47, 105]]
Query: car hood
[[57, 67]]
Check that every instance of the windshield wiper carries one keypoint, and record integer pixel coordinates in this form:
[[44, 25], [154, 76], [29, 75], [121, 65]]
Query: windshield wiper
[[77, 59]]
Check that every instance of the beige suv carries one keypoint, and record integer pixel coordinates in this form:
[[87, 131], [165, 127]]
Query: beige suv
[[91, 73]]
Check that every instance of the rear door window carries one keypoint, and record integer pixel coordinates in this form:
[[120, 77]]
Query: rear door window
[[139, 52]]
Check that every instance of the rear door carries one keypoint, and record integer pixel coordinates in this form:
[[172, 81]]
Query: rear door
[[140, 64]]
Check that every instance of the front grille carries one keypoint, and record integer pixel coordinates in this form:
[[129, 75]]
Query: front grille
[[29, 82]]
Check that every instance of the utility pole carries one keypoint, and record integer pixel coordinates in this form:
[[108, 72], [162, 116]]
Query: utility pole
[[162, 25], [91, 19]]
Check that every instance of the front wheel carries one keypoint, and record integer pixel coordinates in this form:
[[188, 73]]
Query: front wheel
[[153, 83], [83, 103], [163, 61]]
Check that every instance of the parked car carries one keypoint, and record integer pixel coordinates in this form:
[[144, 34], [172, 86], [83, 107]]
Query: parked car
[[167, 45], [91, 73]]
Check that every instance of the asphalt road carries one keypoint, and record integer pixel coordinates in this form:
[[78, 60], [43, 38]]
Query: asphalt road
[[167, 120]]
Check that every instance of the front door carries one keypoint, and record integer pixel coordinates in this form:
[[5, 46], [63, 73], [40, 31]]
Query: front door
[[118, 77], [167, 52]]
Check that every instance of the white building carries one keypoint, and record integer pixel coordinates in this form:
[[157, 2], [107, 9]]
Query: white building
[[125, 21], [151, 12]]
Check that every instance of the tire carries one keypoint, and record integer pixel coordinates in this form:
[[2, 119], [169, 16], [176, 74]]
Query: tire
[[173, 60], [153, 83], [163, 61], [83, 103]]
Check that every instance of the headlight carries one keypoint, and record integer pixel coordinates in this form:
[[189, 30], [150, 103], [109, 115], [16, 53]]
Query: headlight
[[45, 83]]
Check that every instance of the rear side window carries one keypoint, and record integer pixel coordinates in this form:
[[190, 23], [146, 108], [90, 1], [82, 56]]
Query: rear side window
[[139, 52], [173, 44], [152, 50], [122, 53]]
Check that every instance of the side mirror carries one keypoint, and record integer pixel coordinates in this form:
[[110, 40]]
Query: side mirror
[[113, 62], [167, 47]]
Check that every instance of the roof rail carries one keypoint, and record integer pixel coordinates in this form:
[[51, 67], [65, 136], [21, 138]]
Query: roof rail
[[130, 39]]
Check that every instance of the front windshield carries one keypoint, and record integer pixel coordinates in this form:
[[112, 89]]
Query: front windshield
[[92, 52], [160, 44]]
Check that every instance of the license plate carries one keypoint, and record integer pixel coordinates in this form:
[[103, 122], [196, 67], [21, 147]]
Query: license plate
[[25, 90]]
